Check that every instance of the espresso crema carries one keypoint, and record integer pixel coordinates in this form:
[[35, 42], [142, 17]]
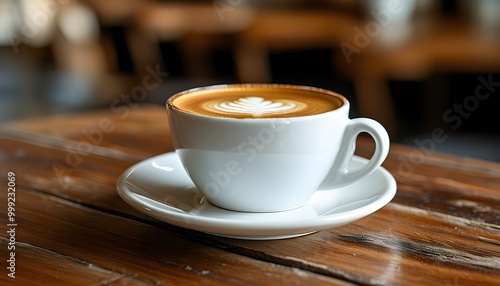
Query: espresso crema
[[246, 101]]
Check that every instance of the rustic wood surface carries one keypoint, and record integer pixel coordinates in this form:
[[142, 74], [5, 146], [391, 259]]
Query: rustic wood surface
[[442, 228]]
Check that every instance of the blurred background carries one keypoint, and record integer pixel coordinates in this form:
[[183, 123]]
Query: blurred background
[[420, 67]]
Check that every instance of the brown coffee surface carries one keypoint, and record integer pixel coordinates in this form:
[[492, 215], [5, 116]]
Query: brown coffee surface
[[257, 102]]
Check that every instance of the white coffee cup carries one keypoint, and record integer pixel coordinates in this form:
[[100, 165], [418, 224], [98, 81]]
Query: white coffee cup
[[269, 164]]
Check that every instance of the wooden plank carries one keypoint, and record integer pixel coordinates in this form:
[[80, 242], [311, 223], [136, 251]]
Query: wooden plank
[[37, 266], [135, 249], [464, 187], [398, 245], [433, 181], [82, 178], [136, 132]]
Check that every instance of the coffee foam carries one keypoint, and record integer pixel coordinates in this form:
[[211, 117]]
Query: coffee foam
[[256, 102], [254, 106]]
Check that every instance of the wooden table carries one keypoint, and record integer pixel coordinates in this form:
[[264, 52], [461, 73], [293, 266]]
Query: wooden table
[[72, 228]]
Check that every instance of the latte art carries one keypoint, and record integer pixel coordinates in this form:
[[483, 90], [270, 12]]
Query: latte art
[[255, 106], [256, 101]]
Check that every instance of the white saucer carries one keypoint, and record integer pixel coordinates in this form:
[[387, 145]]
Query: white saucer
[[160, 188]]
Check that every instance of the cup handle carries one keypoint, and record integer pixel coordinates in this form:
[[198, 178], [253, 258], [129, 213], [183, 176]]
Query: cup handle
[[339, 175]]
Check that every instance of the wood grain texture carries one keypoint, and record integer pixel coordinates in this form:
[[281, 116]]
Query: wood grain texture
[[117, 134], [442, 228], [129, 248], [397, 245], [43, 266]]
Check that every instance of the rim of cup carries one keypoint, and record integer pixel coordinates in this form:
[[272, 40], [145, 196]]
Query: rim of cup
[[344, 102]]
